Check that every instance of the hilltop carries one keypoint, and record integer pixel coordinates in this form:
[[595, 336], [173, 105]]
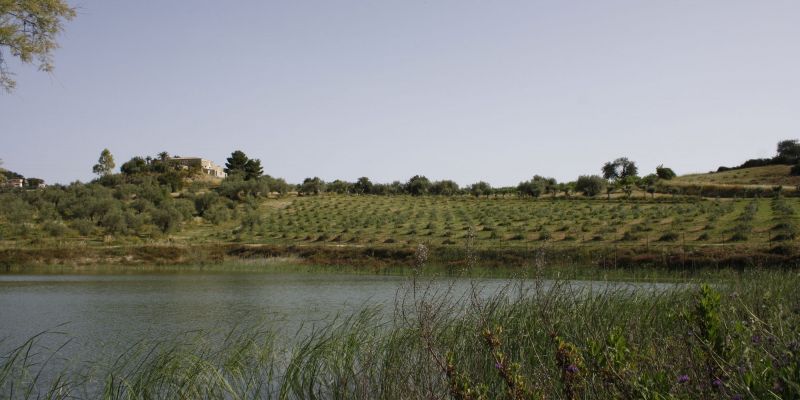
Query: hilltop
[[764, 177]]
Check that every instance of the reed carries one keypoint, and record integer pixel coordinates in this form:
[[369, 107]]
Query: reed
[[736, 338]]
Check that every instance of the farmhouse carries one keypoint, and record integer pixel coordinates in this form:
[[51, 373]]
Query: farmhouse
[[207, 167], [16, 183]]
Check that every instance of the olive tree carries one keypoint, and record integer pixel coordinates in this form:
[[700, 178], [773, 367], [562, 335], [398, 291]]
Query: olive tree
[[590, 185]]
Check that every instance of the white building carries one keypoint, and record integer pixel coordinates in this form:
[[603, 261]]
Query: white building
[[207, 167]]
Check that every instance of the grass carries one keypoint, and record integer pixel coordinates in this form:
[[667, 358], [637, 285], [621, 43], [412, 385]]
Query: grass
[[765, 177], [738, 338], [365, 230], [500, 222]]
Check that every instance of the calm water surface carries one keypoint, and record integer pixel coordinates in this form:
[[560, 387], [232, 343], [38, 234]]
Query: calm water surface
[[106, 313]]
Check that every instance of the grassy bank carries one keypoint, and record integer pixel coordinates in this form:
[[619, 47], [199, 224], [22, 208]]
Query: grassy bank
[[538, 339], [377, 258]]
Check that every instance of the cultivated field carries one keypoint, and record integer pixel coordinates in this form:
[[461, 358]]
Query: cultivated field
[[503, 222]]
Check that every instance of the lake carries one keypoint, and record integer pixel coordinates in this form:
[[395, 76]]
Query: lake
[[104, 314]]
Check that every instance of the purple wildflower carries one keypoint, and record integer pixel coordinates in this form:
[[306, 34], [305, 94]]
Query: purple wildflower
[[737, 397], [498, 365], [717, 383], [683, 379]]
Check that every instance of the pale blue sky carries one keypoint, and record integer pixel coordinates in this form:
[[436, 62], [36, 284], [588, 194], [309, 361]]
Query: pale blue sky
[[465, 90]]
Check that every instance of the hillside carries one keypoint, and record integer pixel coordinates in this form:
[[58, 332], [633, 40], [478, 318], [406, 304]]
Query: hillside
[[767, 177]]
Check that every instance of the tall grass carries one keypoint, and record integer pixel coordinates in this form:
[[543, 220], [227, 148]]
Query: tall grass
[[534, 339]]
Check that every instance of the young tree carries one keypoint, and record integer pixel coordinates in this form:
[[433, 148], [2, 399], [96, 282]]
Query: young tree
[[312, 186], [444, 188], [664, 172], [105, 164], [133, 166], [590, 185], [480, 189], [28, 30], [418, 185], [340, 187], [609, 190], [362, 186]]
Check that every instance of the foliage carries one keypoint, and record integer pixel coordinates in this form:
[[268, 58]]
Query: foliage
[[537, 186], [312, 186], [418, 185], [665, 173], [236, 187], [590, 185], [105, 164], [445, 188], [789, 151], [619, 169], [339, 186], [362, 186], [530, 339], [167, 219], [480, 189], [28, 30], [239, 163]]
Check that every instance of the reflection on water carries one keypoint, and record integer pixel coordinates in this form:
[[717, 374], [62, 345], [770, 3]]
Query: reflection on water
[[106, 313]]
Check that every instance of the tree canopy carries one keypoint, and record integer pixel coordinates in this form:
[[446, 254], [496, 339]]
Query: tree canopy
[[28, 30], [105, 164], [619, 169], [590, 185], [418, 185], [789, 151], [664, 172], [239, 163]]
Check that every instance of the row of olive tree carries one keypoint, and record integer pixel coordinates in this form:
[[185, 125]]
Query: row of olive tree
[[620, 174]]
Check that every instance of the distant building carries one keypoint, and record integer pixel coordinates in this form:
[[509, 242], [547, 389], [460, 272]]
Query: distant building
[[16, 183], [207, 167]]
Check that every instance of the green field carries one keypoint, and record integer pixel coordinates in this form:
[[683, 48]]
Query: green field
[[765, 177], [508, 222]]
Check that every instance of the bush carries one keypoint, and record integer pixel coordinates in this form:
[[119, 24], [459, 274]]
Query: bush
[[205, 201], [83, 226], [590, 185], [668, 237], [55, 228], [114, 222], [217, 214], [252, 220], [167, 219]]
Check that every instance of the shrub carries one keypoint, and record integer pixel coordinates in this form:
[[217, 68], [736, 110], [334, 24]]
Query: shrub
[[590, 185], [204, 201], [668, 237], [55, 228], [252, 220], [83, 226], [217, 214], [167, 219]]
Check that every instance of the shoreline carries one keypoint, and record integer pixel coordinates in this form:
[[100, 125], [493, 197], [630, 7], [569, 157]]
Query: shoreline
[[378, 257]]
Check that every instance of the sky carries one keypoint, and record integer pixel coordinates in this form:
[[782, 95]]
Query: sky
[[452, 89]]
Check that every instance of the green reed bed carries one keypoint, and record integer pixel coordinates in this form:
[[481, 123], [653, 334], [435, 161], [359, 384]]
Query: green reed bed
[[735, 338]]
